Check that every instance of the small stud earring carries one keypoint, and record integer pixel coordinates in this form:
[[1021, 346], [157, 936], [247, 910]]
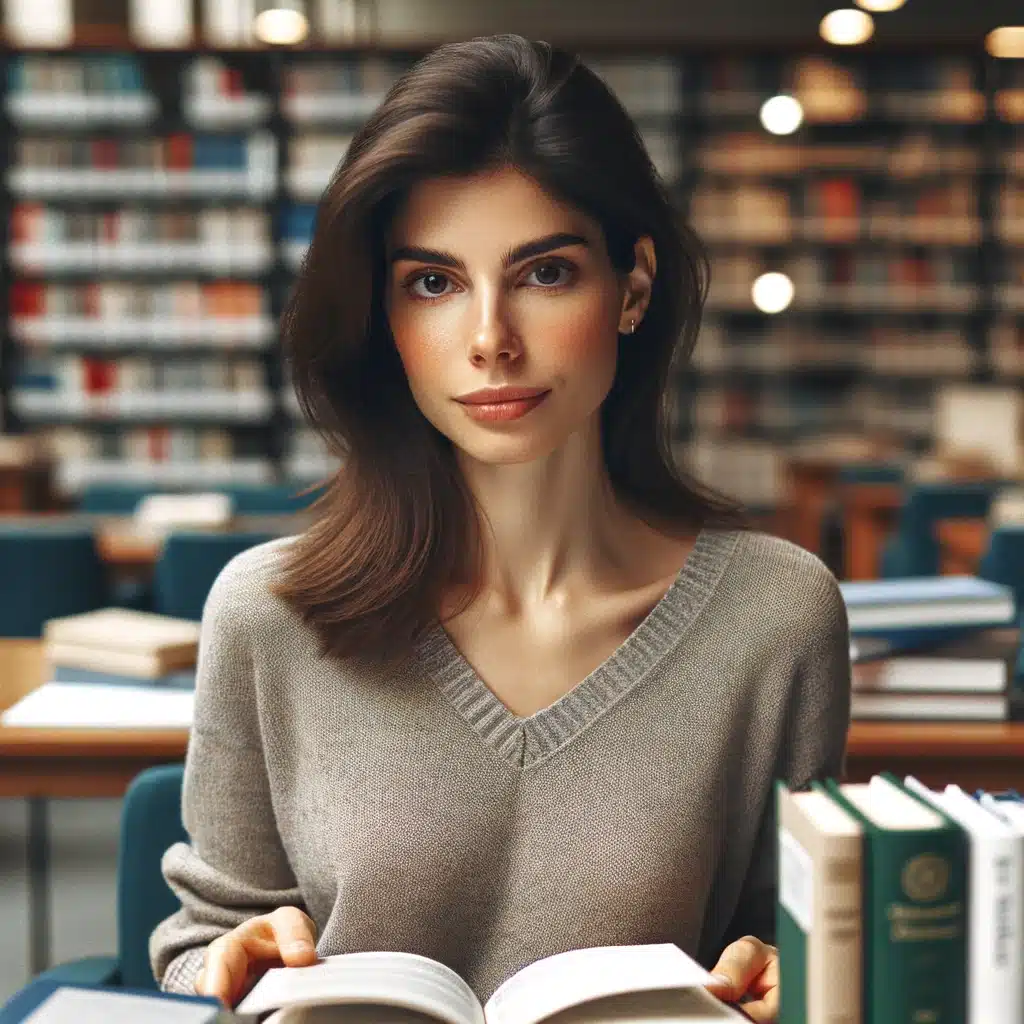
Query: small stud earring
[[632, 325]]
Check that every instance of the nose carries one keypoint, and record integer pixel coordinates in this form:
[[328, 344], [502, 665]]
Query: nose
[[493, 337]]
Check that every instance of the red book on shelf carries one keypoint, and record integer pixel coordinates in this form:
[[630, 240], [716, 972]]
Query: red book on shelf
[[159, 443], [100, 376], [178, 152], [232, 84], [104, 154], [91, 298], [25, 221], [27, 299]]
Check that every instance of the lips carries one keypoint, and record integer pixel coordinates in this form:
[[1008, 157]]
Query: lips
[[497, 396]]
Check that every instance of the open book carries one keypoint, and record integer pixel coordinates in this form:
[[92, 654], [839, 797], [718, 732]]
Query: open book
[[635, 984]]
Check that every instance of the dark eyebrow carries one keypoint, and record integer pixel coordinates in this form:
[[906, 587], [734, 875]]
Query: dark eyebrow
[[521, 252]]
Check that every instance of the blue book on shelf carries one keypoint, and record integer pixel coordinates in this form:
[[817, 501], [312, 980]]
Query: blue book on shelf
[[75, 1001], [185, 680], [939, 603]]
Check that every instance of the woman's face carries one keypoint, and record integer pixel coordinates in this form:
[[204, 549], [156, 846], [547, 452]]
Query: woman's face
[[493, 284]]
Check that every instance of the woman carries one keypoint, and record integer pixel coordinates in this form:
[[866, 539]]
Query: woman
[[525, 686]]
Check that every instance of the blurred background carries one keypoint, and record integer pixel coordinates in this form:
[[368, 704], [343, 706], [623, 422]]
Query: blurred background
[[857, 174]]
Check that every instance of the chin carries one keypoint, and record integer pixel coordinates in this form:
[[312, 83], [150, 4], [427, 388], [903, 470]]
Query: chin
[[505, 451]]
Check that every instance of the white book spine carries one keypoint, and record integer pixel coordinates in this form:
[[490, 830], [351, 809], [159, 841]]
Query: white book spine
[[995, 982]]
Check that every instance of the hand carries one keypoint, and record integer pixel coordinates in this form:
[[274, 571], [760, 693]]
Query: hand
[[235, 961], [749, 970]]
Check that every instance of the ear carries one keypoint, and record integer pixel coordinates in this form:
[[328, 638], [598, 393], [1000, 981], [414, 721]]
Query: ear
[[639, 282]]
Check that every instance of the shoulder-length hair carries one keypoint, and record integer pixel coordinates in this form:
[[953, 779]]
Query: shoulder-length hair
[[398, 526]]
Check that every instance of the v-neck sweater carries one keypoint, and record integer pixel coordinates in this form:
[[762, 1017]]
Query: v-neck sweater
[[410, 809]]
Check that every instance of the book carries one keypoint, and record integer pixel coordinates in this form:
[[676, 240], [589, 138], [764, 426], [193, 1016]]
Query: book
[[915, 905], [819, 910], [605, 983], [934, 707], [878, 606], [995, 961], [43, 1001], [982, 661], [122, 641], [96, 706], [183, 680]]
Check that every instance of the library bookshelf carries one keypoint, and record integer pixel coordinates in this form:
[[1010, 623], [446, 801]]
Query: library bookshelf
[[160, 203]]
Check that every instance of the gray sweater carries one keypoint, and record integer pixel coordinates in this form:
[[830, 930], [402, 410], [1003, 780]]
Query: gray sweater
[[413, 811]]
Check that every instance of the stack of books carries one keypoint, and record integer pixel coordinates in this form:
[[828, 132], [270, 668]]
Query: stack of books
[[121, 645], [114, 669], [946, 648], [897, 902]]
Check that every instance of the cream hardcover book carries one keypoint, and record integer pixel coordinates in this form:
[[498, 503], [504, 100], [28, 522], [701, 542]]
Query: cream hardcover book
[[122, 641], [623, 984]]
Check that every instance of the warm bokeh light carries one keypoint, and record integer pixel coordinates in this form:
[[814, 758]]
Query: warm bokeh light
[[880, 6], [772, 292], [1006, 41], [847, 27], [782, 115], [281, 26]]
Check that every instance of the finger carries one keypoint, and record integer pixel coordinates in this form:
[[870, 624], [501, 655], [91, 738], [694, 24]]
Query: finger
[[295, 936], [740, 963], [226, 964], [766, 1010], [768, 978], [229, 957]]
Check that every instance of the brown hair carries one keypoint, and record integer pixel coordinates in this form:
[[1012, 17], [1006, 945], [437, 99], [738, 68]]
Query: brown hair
[[398, 525]]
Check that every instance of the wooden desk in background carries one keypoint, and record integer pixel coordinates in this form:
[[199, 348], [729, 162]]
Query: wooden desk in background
[[869, 515], [962, 544], [41, 764]]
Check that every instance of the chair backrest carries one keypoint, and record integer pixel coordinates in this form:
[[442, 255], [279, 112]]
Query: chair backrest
[[188, 565], [1003, 561], [926, 504], [48, 570], [271, 499], [150, 823], [113, 499]]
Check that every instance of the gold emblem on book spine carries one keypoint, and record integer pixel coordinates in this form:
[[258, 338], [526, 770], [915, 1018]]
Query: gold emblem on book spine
[[925, 878]]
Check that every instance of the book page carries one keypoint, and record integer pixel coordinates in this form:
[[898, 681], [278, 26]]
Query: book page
[[387, 979], [581, 975], [101, 706], [88, 1006]]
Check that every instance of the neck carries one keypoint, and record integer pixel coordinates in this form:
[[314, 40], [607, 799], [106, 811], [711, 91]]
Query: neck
[[550, 523]]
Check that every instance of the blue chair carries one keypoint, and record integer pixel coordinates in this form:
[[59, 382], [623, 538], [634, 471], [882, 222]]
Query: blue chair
[[188, 565], [49, 569], [271, 499], [1003, 561], [913, 550], [113, 499], [150, 823]]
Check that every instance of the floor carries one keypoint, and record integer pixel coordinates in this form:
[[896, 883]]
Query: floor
[[83, 836]]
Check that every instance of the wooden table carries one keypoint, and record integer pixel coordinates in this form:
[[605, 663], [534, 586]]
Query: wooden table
[[869, 514], [42, 764], [962, 543]]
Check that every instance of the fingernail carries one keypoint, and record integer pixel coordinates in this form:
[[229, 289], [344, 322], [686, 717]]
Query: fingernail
[[722, 981], [297, 947]]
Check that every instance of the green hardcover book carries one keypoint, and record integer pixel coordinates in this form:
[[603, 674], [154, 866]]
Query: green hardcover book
[[915, 906]]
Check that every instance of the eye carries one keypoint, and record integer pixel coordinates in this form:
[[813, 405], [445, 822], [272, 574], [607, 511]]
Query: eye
[[434, 285], [552, 274]]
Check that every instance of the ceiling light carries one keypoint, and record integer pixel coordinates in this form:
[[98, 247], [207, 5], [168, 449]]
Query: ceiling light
[[1007, 41], [782, 115], [880, 6], [772, 293], [847, 27], [282, 23]]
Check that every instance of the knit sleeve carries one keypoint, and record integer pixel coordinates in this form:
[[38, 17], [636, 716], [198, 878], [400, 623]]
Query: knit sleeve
[[814, 746], [234, 866]]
